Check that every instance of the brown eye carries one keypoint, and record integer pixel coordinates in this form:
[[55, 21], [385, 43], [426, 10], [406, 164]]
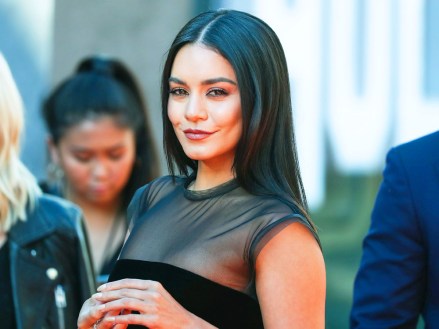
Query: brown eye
[[116, 155], [217, 92], [82, 157], [178, 92]]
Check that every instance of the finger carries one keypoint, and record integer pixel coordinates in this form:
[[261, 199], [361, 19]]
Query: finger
[[130, 283], [107, 296], [134, 319], [100, 324], [128, 305], [110, 314], [91, 312], [120, 326]]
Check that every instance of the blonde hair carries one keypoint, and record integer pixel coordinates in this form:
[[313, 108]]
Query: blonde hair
[[18, 187]]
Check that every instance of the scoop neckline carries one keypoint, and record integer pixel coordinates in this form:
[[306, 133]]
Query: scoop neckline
[[211, 192]]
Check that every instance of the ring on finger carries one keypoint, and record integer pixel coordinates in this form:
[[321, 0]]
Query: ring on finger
[[95, 325]]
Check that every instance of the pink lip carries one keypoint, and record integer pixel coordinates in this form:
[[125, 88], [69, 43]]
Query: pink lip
[[99, 189], [196, 134]]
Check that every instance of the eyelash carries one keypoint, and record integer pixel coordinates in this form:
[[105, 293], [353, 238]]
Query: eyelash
[[82, 158], [178, 92], [87, 158], [215, 92], [218, 92]]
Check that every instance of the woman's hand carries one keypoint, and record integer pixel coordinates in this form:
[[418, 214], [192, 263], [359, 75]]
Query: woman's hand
[[134, 301], [92, 313]]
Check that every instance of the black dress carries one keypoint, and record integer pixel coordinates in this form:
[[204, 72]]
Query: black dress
[[202, 245]]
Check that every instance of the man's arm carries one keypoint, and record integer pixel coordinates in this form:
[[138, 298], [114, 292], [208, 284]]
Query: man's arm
[[389, 289]]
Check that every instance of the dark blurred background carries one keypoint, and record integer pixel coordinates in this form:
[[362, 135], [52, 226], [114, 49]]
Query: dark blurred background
[[364, 75]]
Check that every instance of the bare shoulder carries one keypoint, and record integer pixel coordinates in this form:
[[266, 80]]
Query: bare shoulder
[[291, 280]]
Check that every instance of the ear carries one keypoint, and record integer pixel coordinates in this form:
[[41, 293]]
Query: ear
[[53, 150]]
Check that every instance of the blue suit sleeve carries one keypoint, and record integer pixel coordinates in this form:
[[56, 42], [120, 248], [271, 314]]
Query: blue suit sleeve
[[389, 288]]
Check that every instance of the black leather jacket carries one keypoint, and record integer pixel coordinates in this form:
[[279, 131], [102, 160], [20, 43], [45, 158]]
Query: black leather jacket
[[51, 270]]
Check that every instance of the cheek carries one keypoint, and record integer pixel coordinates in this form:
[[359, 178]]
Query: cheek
[[75, 172], [123, 168], [229, 117], [173, 115], [235, 124]]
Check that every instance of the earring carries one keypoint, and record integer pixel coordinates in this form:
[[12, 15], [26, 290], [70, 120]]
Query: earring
[[55, 178], [54, 172]]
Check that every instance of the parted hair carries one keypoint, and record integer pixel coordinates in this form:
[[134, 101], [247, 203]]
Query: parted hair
[[18, 187], [266, 160]]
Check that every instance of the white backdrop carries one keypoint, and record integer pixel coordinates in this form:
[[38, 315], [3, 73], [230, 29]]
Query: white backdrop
[[356, 71]]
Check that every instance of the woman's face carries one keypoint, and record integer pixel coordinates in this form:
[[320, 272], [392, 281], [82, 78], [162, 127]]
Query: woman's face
[[204, 105], [97, 157]]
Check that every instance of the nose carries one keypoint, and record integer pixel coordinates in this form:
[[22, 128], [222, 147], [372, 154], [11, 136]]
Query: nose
[[100, 169], [195, 108]]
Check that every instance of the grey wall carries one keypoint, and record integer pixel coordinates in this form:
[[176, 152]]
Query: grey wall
[[25, 41], [135, 31]]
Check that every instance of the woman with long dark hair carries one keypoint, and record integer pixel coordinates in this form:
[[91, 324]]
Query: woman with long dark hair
[[225, 240], [101, 150]]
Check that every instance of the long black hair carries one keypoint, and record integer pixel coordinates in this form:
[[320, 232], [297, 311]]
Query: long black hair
[[266, 160], [103, 86]]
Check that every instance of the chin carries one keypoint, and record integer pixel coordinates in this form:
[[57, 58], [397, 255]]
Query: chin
[[103, 199], [198, 158], [197, 155]]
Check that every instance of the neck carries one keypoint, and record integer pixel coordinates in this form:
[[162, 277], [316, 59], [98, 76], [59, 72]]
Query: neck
[[93, 209], [104, 227], [208, 177]]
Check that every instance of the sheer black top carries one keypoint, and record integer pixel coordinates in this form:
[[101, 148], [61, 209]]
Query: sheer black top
[[202, 246]]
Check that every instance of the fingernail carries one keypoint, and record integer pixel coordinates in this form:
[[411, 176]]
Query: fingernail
[[97, 295], [102, 287], [110, 319]]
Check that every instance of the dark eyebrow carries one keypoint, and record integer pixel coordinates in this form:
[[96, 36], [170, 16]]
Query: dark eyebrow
[[206, 82], [76, 148], [220, 79], [172, 79]]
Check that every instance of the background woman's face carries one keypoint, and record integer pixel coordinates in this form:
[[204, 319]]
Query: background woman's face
[[97, 157], [204, 104]]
